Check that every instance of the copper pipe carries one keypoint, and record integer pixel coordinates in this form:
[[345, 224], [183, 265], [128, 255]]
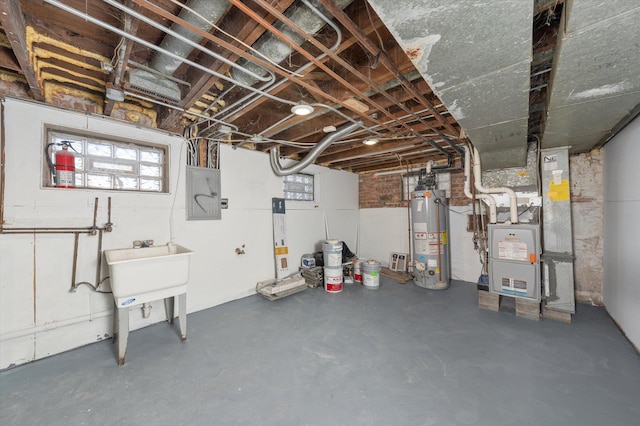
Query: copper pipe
[[437, 202], [44, 231], [99, 267], [410, 260], [75, 261], [70, 229]]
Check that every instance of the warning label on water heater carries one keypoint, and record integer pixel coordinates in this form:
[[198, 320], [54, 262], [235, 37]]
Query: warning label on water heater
[[512, 250]]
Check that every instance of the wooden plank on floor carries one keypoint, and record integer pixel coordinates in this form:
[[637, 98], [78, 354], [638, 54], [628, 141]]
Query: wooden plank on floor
[[528, 309], [489, 301], [556, 315], [400, 277]]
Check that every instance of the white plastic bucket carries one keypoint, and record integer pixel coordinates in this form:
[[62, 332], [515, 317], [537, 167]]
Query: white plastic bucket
[[371, 274], [333, 280], [357, 270], [308, 261], [332, 254]]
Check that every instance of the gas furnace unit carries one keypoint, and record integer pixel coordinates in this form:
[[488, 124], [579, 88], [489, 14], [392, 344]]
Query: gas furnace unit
[[514, 260]]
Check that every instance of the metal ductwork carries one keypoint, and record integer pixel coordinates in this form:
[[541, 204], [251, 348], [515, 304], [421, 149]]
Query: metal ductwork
[[595, 81], [277, 50], [485, 83], [314, 153], [150, 82]]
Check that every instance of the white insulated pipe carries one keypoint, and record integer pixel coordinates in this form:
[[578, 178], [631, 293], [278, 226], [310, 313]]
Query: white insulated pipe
[[467, 188], [477, 174]]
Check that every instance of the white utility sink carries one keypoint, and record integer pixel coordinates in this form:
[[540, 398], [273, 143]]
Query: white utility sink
[[141, 275]]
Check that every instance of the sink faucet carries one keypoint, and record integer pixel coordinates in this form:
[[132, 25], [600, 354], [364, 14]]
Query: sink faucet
[[142, 243]]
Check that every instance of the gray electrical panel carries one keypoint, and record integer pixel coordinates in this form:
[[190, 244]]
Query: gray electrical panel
[[514, 260]]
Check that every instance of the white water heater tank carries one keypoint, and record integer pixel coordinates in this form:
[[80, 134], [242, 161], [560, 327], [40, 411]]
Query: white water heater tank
[[430, 239]]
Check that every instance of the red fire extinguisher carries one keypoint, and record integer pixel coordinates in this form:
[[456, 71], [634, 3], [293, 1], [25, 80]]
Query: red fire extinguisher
[[64, 169]]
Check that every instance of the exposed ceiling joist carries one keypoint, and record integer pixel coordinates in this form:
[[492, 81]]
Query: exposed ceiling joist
[[14, 27]]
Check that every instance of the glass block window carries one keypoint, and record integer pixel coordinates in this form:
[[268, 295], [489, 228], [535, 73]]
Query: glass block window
[[104, 163], [298, 186]]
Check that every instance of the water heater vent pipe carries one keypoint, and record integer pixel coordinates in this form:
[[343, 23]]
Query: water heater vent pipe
[[467, 188], [477, 174]]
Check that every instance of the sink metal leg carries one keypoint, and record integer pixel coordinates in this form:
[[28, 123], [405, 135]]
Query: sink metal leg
[[182, 311], [115, 323], [169, 309], [123, 333]]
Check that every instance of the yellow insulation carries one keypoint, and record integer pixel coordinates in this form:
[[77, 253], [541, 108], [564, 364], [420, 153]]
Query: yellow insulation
[[53, 89]]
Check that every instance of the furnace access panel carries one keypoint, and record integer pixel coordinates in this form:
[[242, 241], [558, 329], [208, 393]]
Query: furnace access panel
[[514, 260]]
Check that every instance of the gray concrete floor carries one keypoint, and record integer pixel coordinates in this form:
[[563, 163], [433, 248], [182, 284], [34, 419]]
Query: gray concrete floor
[[400, 355]]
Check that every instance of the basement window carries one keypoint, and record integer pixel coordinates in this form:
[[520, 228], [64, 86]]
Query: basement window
[[108, 163], [298, 187]]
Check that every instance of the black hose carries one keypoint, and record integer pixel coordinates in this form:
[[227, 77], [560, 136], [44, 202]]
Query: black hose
[[52, 167]]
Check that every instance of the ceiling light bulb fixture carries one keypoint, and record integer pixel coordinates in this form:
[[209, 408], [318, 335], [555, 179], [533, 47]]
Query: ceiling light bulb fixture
[[370, 141], [302, 108]]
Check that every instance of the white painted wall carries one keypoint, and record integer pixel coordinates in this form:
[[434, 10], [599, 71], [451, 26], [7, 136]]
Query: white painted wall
[[385, 230], [622, 230], [38, 314]]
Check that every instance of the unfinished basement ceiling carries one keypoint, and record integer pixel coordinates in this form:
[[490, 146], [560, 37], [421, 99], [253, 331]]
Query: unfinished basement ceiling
[[415, 76], [596, 78], [476, 56]]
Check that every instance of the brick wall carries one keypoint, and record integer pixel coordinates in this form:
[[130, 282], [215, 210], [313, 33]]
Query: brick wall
[[457, 190], [77, 100], [380, 191], [13, 86], [386, 190]]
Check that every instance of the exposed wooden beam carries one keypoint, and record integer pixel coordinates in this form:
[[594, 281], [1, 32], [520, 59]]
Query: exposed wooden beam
[[8, 60], [376, 51], [299, 81], [249, 33], [13, 24]]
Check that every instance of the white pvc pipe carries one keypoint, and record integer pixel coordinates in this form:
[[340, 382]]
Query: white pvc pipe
[[477, 174], [467, 188]]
